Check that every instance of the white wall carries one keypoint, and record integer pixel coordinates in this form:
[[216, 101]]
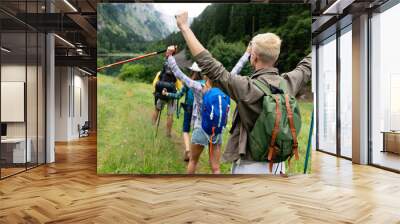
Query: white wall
[[71, 94], [33, 126], [12, 73], [61, 103]]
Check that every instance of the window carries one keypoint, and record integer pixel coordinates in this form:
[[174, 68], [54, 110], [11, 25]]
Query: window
[[385, 88], [327, 95], [346, 92]]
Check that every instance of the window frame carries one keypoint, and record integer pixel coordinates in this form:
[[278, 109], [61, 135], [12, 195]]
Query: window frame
[[379, 10], [339, 28]]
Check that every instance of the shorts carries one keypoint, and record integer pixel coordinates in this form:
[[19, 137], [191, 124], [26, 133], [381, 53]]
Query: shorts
[[187, 120], [200, 137], [170, 105]]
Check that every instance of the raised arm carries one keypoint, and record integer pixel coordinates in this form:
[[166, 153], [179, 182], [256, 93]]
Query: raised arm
[[242, 61], [237, 87], [299, 76], [192, 42], [180, 75], [239, 65]]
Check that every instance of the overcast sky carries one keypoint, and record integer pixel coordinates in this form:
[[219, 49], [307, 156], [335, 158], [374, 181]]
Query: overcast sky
[[194, 9]]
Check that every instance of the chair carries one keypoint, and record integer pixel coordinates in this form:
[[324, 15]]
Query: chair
[[84, 130]]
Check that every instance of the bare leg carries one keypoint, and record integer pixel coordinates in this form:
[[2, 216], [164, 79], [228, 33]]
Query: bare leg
[[155, 116], [186, 141], [195, 152], [170, 120], [214, 160]]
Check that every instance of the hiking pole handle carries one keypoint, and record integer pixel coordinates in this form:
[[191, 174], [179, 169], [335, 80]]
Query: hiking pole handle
[[160, 52]]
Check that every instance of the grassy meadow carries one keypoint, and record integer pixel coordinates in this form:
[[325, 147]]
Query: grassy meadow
[[126, 141]]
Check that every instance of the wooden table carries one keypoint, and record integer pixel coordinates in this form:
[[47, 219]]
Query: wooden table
[[13, 150], [391, 141]]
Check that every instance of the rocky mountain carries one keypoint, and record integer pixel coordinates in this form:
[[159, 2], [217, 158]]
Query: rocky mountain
[[122, 26], [170, 22]]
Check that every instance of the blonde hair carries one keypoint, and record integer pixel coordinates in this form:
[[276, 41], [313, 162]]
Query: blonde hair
[[267, 46]]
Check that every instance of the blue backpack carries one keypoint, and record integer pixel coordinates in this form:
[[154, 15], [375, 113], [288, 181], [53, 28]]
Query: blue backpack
[[214, 112]]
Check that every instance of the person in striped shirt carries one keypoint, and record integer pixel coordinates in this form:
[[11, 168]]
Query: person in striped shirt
[[199, 138]]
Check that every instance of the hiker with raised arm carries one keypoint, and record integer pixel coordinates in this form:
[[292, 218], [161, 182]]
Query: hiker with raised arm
[[189, 99], [187, 106], [210, 111], [259, 141]]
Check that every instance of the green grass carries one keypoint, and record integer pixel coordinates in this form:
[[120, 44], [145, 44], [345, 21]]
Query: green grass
[[126, 142], [126, 137], [297, 166]]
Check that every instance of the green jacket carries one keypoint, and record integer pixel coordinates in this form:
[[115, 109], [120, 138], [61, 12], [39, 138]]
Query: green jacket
[[248, 97], [179, 94]]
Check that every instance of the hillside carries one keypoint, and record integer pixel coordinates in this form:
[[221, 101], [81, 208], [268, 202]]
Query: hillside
[[124, 27]]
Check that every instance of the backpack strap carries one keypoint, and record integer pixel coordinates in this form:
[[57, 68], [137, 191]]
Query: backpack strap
[[269, 89], [271, 147], [292, 128], [263, 87], [283, 86]]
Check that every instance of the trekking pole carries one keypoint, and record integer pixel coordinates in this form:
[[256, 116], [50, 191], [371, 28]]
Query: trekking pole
[[158, 123], [131, 59], [309, 141]]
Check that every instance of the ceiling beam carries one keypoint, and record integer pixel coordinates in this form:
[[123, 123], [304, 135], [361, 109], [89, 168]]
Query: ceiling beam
[[89, 30], [78, 61]]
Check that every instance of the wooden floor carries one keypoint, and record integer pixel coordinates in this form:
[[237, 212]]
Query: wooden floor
[[5, 172], [387, 159], [69, 191]]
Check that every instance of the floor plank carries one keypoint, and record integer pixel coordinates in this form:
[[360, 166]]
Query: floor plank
[[69, 191]]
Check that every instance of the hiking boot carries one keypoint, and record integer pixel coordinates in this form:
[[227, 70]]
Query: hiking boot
[[186, 156]]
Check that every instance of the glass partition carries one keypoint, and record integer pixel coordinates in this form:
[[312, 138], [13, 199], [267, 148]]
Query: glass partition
[[327, 95], [346, 92], [22, 88], [385, 89], [15, 150]]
